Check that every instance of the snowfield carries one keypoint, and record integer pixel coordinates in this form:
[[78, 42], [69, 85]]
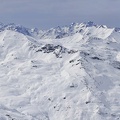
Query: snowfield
[[65, 73]]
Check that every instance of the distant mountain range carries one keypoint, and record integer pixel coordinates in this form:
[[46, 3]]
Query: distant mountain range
[[55, 33]]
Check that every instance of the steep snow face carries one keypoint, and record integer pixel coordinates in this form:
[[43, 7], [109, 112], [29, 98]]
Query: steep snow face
[[75, 77]]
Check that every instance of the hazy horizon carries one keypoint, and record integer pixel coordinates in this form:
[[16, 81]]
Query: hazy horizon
[[44, 14]]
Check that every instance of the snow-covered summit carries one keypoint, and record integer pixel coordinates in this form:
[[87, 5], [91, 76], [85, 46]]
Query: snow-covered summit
[[65, 73], [58, 32], [15, 27]]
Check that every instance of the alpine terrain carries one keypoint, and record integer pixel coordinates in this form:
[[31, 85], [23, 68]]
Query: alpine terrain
[[64, 73]]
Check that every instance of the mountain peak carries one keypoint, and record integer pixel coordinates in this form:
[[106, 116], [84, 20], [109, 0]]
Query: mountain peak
[[89, 24], [57, 32], [14, 27], [74, 78]]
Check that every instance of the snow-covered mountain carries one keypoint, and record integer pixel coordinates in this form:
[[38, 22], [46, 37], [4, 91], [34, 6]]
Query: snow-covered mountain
[[64, 73]]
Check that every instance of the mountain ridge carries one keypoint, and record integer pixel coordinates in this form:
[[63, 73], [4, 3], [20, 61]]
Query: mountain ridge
[[75, 77], [57, 32]]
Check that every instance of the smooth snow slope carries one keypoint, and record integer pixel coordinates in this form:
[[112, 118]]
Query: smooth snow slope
[[72, 77]]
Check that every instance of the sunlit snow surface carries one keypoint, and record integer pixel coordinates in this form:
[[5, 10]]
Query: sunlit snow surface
[[75, 77]]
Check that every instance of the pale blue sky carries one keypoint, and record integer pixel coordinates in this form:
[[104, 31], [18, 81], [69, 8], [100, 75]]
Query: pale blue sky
[[45, 14]]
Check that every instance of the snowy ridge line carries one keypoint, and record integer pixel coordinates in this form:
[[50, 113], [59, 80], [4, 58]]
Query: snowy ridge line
[[71, 77], [57, 32]]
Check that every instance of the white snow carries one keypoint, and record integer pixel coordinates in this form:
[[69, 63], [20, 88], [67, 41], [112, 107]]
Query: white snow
[[74, 77]]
